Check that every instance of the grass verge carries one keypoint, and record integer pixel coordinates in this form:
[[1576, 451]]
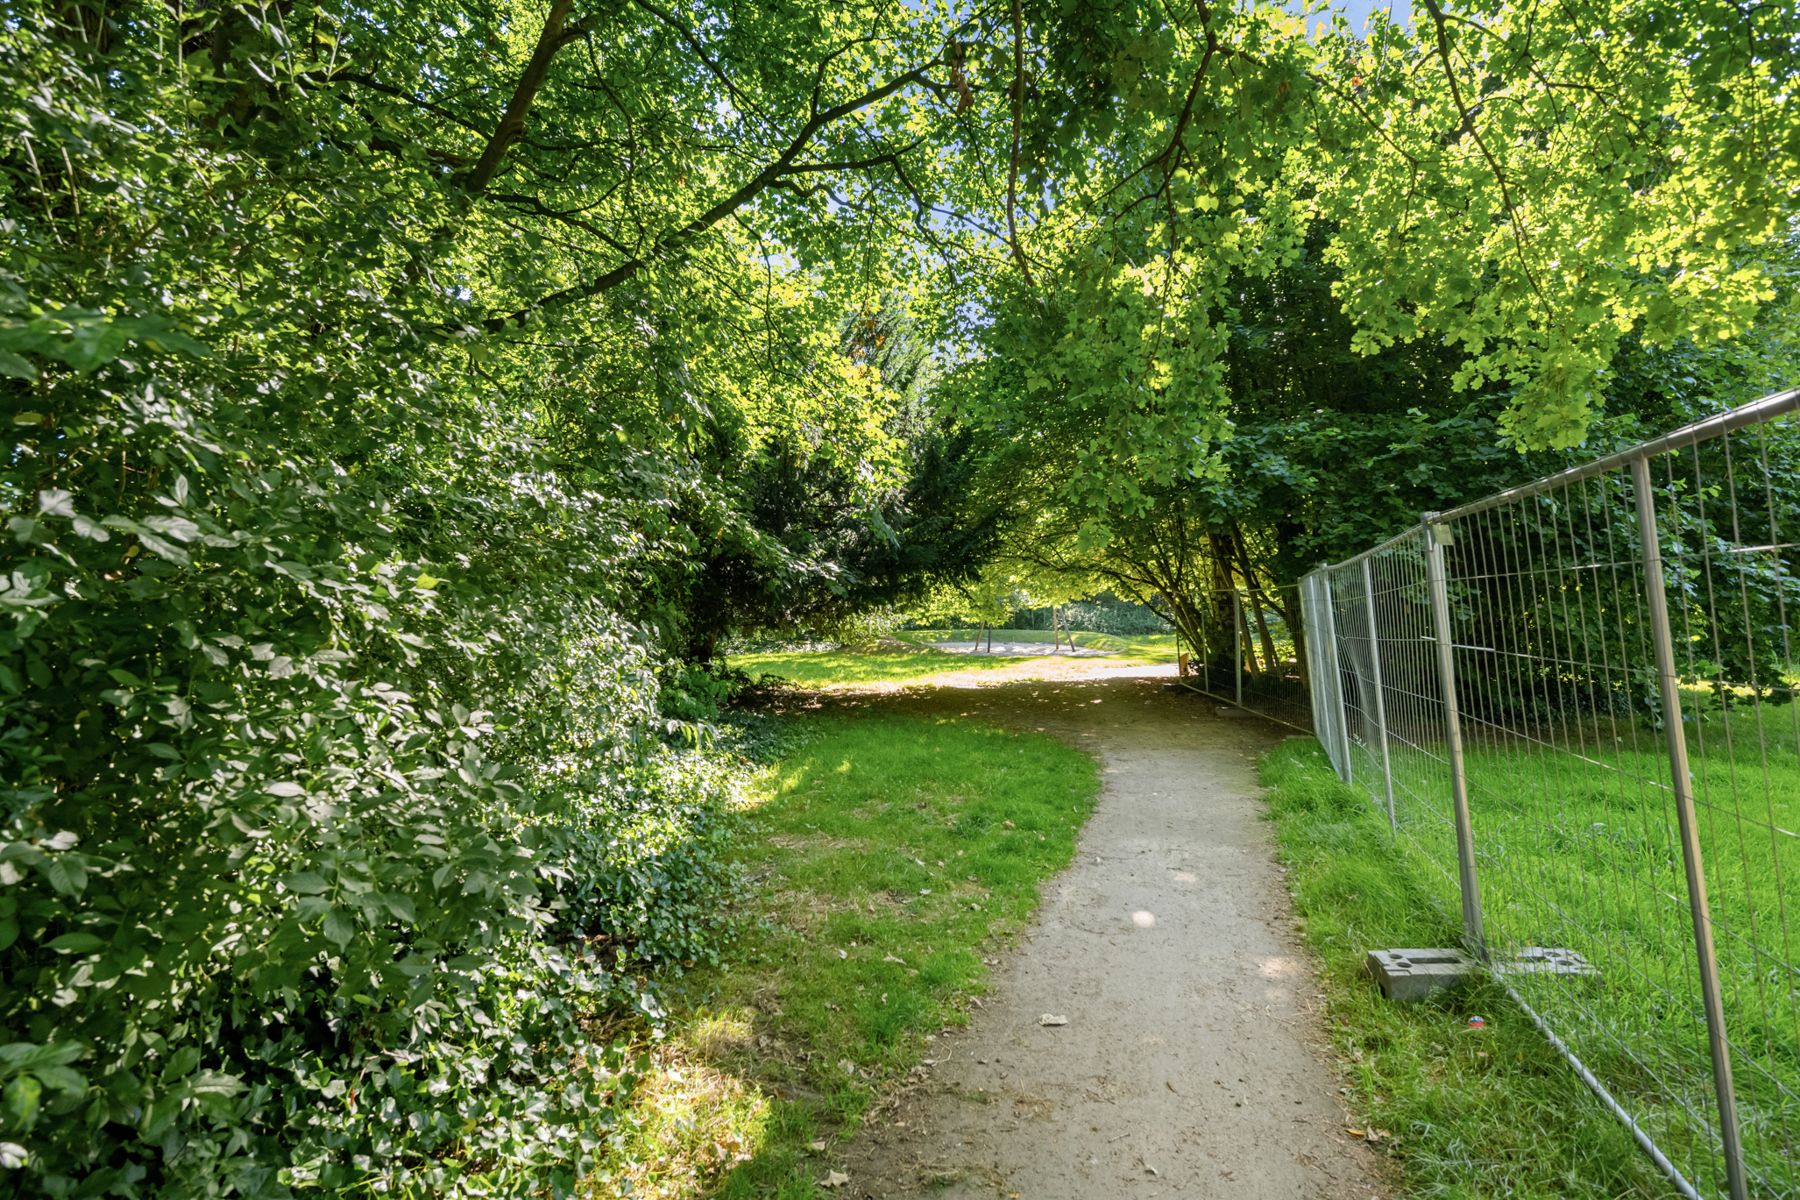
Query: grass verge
[[1464, 1112], [1579, 847], [888, 853]]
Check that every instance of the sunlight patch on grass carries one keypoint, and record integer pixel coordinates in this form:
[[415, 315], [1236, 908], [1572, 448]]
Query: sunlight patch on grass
[[923, 664], [1145, 647], [689, 1121], [820, 668]]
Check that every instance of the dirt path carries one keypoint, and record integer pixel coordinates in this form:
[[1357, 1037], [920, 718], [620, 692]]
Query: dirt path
[[1193, 1062]]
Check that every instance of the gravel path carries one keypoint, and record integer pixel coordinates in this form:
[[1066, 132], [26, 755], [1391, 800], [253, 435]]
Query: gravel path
[[1193, 1061]]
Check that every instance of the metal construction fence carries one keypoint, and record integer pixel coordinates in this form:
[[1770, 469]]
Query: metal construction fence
[[1264, 674], [1575, 703]]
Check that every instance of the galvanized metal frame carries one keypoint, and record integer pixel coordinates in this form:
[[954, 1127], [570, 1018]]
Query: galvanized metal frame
[[1550, 508], [1682, 784]]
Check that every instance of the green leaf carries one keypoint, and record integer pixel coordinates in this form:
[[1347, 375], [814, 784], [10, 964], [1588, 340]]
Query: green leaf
[[20, 1101], [159, 1115], [180, 343], [63, 1079], [27, 1056], [162, 549], [179, 528], [75, 943], [90, 529], [215, 1083], [56, 502], [93, 341], [339, 928], [67, 875], [181, 1063], [400, 906]]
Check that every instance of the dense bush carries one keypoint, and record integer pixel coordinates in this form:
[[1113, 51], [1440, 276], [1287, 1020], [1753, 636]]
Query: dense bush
[[339, 809], [321, 843]]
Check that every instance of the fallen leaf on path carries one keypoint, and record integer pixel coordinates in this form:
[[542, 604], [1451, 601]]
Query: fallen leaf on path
[[834, 1179], [892, 959], [816, 1147], [1053, 1019]]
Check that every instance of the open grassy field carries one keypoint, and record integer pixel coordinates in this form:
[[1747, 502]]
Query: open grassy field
[[1148, 647], [920, 662], [889, 855], [1577, 846], [820, 668]]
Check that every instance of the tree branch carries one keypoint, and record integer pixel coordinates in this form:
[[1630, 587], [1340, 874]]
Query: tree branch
[[512, 122], [1468, 124], [785, 164], [1018, 115], [694, 44]]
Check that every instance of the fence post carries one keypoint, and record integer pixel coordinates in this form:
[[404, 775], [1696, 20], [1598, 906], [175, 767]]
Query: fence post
[[1237, 644], [1341, 719], [1682, 783], [1315, 657], [1315, 671], [1436, 537], [1387, 770]]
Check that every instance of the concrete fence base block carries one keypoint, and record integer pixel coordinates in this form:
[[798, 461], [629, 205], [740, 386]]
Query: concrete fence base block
[[1546, 960], [1416, 974]]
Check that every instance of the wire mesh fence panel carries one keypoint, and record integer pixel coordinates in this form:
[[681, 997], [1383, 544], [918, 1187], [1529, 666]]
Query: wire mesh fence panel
[[1602, 666], [1726, 513], [1255, 661], [1419, 764], [1571, 803]]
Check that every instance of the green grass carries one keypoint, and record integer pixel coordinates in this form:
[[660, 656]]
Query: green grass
[[1463, 1112], [889, 853], [822, 668], [818, 668], [1580, 849]]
